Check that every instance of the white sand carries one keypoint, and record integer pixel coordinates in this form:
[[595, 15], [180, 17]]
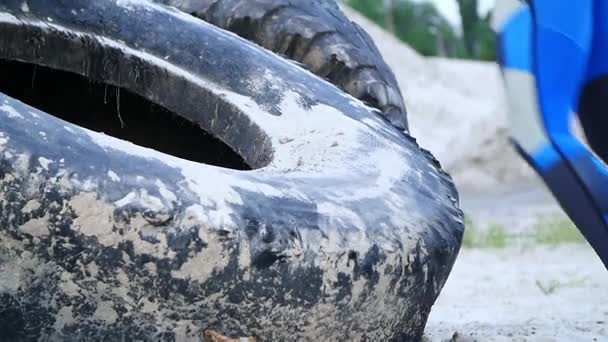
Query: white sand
[[497, 295]]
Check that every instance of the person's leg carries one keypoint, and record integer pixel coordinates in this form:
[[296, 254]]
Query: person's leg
[[544, 48], [593, 103], [563, 33]]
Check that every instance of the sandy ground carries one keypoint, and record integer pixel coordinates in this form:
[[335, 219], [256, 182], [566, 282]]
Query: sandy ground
[[524, 294], [517, 208], [519, 293]]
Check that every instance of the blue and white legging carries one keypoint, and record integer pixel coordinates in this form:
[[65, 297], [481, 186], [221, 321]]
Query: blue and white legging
[[554, 57]]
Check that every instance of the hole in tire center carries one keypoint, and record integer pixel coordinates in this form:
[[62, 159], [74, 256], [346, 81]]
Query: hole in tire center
[[117, 112]]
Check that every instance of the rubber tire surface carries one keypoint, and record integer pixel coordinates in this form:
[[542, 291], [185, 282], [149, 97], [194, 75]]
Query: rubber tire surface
[[345, 230], [317, 34]]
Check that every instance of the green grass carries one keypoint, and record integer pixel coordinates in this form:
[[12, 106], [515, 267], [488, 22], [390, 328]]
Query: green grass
[[495, 237], [556, 231], [552, 231], [468, 240], [492, 237], [553, 286]]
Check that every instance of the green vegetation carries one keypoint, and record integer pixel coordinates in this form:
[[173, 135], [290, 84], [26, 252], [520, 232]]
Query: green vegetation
[[555, 231], [426, 30], [476, 31], [468, 240], [552, 231], [555, 285], [494, 236]]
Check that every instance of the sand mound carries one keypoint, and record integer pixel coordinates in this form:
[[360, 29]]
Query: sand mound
[[456, 110]]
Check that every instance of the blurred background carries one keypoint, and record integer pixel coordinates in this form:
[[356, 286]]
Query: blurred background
[[446, 28], [525, 273]]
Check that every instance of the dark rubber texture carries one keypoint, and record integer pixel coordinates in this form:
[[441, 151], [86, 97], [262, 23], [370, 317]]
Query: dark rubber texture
[[317, 34], [344, 230]]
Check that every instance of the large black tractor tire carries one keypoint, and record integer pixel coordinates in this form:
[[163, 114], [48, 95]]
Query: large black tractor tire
[[317, 34], [342, 228]]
